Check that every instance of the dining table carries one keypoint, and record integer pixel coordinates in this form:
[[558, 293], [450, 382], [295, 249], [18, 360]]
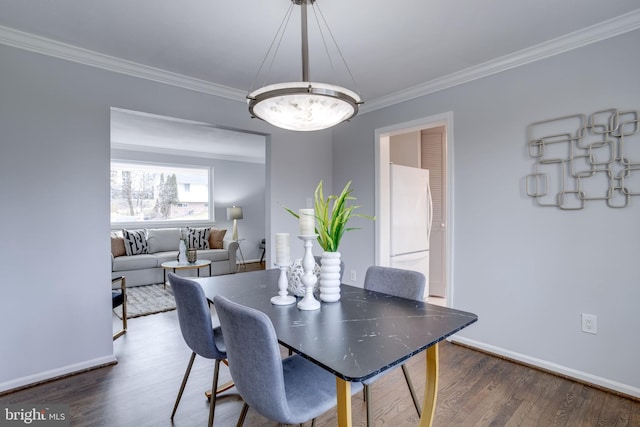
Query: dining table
[[361, 335]]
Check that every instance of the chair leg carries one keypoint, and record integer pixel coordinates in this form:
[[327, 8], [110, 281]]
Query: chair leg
[[123, 286], [367, 398], [214, 386], [123, 289], [184, 382], [243, 414], [416, 403]]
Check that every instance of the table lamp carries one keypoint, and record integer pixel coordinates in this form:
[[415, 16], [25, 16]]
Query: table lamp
[[234, 213]]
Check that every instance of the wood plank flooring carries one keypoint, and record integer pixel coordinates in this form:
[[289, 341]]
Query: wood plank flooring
[[475, 389]]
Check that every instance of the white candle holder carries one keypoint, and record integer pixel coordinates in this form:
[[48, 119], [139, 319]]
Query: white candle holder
[[308, 278], [283, 297]]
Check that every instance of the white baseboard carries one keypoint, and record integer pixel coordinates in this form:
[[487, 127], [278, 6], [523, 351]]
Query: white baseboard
[[564, 371], [57, 373]]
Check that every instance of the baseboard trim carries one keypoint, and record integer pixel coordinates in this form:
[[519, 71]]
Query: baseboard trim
[[55, 374], [624, 390]]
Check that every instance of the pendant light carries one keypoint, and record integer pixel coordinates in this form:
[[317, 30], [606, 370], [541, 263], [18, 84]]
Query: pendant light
[[303, 105]]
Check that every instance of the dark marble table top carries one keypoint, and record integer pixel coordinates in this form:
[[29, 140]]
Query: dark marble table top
[[355, 338]]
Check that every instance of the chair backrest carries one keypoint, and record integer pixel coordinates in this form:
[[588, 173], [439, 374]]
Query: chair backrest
[[397, 282], [194, 317], [254, 358]]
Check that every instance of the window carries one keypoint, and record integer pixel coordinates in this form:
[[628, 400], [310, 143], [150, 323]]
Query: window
[[155, 193]]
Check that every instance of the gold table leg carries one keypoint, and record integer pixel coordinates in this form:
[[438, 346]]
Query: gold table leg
[[343, 393], [431, 387]]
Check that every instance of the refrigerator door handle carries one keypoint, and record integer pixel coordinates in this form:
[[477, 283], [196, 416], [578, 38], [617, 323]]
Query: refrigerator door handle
[[409, 253], [430, 213]]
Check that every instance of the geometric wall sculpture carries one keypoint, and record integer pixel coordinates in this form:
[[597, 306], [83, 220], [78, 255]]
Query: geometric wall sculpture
[[581, 159]]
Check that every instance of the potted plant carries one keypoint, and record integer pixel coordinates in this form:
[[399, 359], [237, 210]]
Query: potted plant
[[332, 215]]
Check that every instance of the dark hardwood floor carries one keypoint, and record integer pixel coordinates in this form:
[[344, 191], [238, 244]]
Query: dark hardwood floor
[[475, 389]]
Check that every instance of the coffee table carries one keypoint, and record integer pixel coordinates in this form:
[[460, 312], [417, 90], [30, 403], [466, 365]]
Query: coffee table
[[176, 265]]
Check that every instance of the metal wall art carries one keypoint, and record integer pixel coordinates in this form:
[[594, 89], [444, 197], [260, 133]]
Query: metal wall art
[[582, 158]]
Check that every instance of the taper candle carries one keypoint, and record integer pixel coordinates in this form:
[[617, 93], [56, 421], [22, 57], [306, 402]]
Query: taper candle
[[307, 222], [283, 249]]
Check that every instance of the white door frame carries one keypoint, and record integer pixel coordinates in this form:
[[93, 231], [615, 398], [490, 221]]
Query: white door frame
[[382, 204]]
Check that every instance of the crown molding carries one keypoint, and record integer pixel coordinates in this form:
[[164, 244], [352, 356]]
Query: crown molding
[[45, 46], [604, 30], [595, 33]]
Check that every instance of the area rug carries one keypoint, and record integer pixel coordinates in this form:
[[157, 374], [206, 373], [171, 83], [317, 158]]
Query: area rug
[[149, 299]]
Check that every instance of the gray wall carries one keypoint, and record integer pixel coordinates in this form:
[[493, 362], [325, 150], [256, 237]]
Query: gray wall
[[54, 180], [527, 271]]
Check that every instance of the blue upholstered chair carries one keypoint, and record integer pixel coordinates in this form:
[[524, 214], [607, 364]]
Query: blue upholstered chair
[[289, 391], [400, 283], [119, 298], [198, 332]]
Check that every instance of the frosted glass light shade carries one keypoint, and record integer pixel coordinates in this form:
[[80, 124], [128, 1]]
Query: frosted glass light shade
[[303, 106]]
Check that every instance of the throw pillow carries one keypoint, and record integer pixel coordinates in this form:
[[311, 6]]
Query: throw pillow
[[135, 242], [163, 239], [198, 238], [216, 236], [117, 245]]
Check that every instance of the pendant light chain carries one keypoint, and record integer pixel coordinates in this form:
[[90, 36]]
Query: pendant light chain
[[335, 43], [277, 37]]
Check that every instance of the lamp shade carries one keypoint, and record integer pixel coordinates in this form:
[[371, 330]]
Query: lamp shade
[[234, 212], [303, 106]]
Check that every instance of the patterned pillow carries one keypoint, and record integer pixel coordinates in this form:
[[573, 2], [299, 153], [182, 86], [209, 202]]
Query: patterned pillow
[[198, 238], [216, 238], [135, 242]]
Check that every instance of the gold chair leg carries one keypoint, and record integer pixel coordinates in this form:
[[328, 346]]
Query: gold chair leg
[[184, 382]]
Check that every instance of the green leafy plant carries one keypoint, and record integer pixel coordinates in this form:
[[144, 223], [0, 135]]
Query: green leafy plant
[[332, 215]]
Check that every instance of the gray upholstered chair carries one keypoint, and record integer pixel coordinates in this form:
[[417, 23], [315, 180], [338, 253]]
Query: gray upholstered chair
[[400, 283], [289, 391], [198, 332]]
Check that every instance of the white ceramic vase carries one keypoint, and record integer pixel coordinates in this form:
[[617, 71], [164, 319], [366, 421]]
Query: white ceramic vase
[[330, 276]]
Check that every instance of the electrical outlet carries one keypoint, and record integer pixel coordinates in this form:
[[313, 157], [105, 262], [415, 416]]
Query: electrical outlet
[[589, 323], [353, 275]]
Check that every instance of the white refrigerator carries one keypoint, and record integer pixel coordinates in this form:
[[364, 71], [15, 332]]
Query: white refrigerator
[[411, 217]]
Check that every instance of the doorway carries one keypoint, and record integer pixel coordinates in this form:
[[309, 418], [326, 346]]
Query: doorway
[[432, 151]]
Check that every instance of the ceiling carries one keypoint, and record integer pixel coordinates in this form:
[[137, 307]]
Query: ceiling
[[394, 50]]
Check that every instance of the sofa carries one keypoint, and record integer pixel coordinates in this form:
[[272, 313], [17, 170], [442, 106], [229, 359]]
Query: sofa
[[138, 254]]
